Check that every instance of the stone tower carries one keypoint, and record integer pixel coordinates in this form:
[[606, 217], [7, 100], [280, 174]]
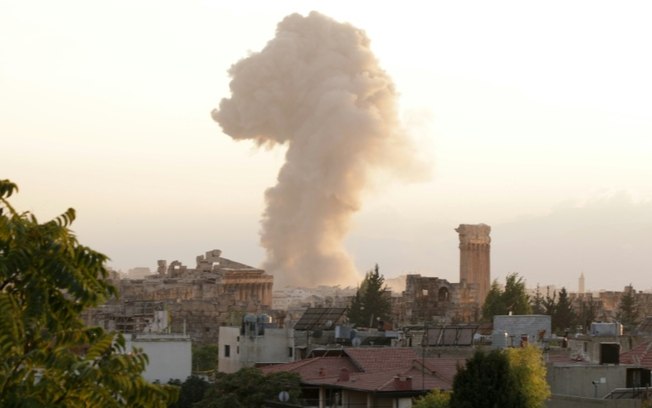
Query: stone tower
[[580, 286], [475, 245]]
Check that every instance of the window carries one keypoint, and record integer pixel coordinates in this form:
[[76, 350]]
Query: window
[[444, 295], [227, 350], [290, 352]]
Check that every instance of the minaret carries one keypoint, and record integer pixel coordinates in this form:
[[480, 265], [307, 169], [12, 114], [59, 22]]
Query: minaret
[[475, 245], [580, 288]]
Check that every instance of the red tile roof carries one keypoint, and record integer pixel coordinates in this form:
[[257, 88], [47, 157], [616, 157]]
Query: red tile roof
[[640, 355], [376, 369], [314, 368], [415, 377], [383, 358]]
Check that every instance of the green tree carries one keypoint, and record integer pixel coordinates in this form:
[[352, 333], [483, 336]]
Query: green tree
[[48, 357], [493, 303], [190, 391], [371, 301], [249, 388], [356, 309], [513, 299], [529, 371], [550, 302], [563, 316], [512, 378], [434, 399], [486, 381], [628, 310], [204, 357], [537, 302], [587, 313], [515, 296]]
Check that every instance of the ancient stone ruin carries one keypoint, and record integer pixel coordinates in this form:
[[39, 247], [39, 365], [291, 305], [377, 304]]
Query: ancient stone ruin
[[431, 299], [178, 299]]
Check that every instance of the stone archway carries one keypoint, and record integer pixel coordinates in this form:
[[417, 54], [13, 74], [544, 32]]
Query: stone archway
[[443, 295]]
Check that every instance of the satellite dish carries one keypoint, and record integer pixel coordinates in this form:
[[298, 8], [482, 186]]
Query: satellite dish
[[356, 341], [283, 396], [328, 324]]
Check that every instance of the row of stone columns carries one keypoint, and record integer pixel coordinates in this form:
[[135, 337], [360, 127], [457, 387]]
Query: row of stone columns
[[246, 291]]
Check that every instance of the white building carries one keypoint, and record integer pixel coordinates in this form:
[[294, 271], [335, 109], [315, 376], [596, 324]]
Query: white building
[[254, 343], [170, 355], [513, 330]]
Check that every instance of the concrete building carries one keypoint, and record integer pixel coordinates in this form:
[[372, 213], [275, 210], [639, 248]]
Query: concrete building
[[256, 342], [591, 373], [170, 356], [516, 330]]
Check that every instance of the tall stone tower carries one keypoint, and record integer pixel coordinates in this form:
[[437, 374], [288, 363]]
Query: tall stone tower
[[580, 286], [475, 245]]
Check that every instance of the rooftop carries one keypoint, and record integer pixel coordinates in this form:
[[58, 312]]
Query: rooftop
[[376, 369]]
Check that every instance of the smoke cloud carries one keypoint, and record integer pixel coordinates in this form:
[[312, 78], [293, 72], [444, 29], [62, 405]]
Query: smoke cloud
[[317, 88]]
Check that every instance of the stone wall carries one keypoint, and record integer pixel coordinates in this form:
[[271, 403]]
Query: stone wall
[[430, 299], [197, 300]]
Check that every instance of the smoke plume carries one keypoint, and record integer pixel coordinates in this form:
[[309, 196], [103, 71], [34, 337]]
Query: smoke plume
[[318, 88]]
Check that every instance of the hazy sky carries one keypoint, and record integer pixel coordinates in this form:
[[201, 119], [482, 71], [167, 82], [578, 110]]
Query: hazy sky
[[536, 118]]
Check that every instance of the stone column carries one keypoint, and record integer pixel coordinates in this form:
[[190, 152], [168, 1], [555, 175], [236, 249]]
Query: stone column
[[268, 294], [475, 246]]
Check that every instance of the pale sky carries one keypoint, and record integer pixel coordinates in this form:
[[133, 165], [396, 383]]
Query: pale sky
[[535, 117]]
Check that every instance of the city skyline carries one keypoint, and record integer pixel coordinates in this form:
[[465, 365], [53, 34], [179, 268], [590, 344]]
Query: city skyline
[[536, 120]]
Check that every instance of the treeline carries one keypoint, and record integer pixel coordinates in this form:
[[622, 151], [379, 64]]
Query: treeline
[[564, 316]]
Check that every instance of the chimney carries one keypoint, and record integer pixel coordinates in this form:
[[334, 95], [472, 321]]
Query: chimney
[[344, 375], [402, 384]]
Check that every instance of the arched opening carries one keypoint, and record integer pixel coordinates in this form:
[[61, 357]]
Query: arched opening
[[444, 295]]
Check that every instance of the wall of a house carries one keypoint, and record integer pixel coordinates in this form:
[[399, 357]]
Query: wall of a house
[[170, 356], [229, 336], [247, 350], [576, 402], [577, 381]]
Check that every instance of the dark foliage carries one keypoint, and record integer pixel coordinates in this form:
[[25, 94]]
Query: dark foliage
[[513, 299], [486, 382], [249, 388], [190, 391], [48, 357], [371, 302]]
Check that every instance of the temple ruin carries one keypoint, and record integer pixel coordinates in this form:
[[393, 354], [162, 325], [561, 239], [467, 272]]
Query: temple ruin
[[431, 299], [196, 301]]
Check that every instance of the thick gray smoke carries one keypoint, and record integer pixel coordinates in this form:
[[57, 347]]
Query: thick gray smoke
[[317, 87]]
